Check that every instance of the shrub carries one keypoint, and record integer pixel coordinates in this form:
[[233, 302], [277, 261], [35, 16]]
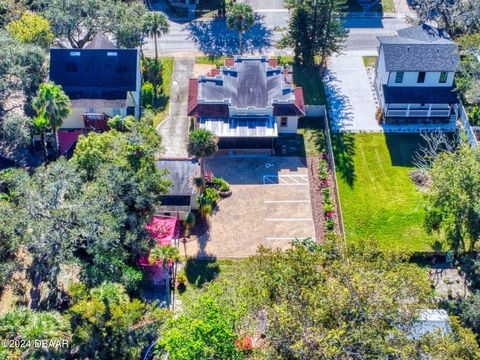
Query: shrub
[[212, 194], [221, 184], [330, 224], [152, 71], [199, 183], [182, 278], [328, 208], [474, 115], [148, 94]]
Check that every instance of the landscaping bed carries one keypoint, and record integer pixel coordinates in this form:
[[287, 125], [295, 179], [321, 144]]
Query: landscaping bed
[[322, 190], [378, 198]]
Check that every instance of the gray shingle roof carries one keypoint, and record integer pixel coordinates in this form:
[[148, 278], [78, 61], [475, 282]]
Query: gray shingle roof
[[251, 83], [181, 172], [420, 48]]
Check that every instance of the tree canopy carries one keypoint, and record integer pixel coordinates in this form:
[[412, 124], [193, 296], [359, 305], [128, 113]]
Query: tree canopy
[[311, 303], [32, 28], [453, 198], [315, 30]]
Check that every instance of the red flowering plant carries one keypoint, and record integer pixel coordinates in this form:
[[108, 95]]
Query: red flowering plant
[[245, 344], [208, 177]]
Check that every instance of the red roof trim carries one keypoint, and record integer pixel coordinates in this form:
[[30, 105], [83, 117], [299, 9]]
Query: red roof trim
[[299, 100], [229, 62], [272, 62], [192, 95]]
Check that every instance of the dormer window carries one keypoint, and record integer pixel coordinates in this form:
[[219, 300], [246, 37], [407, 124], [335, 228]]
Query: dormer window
[[399, 77], [421, 77], [443, 77]]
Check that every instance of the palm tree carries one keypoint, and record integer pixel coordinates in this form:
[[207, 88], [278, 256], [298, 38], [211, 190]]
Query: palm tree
[[156, 25], [241, 18], [166, 254], [202, 143], [52, 106]]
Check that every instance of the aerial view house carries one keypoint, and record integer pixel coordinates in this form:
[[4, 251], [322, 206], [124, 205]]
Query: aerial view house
[[247, 102], [101, 82], [414, 77], [182, 195]]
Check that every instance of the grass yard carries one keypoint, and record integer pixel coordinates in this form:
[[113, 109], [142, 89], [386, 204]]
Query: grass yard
[[369, 61], [161, 112], [378, 198], [210, 60], [309, 140]]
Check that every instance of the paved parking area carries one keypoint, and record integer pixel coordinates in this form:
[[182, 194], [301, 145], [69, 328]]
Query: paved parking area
[[270, 206]]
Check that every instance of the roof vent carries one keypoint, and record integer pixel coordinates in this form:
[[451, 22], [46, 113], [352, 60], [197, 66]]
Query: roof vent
[[74, 53], [112, 53]]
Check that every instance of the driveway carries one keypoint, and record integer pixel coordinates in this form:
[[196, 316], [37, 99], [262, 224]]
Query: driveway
[[174, 130], [270, 206], [350, 94]]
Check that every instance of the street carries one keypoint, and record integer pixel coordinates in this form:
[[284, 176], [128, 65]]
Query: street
[[191, 38]]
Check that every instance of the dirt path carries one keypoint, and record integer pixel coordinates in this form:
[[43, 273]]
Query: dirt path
[[174, 130]]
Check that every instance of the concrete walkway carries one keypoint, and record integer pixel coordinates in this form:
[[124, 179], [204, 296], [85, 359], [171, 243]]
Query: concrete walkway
[[174, 130]]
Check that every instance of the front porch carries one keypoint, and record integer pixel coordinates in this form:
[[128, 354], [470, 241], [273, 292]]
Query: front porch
[[420, 110]]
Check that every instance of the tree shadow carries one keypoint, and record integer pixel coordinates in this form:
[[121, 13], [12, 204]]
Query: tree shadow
[[213, 37], [201, 271], [403, 147], [344, 149], [339, 106]]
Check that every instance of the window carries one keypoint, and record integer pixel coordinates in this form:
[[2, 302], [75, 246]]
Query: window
[[443, 77], [91, 110], [421, 77], [399, 77], [283, 122]]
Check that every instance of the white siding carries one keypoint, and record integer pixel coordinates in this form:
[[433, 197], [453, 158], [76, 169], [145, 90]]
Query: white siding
[[431, 79], [292, 124], [382, 74]]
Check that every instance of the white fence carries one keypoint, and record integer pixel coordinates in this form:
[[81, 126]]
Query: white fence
[[466, 125]]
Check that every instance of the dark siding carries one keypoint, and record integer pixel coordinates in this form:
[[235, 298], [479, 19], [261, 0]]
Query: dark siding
[[245, 143]]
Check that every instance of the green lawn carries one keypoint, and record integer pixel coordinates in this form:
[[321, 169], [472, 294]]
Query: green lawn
[[210, 60], [309, 140], [378, 198], [167, 70], [369, 61]]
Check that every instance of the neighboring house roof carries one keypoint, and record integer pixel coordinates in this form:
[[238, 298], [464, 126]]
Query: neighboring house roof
[[95, 73], [100, 41], [67, 139], [181, 172], [244, 83], [420, 48], [419, 95]]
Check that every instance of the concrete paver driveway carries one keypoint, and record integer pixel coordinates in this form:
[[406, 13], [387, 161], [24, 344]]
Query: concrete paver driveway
[[270, 206], [350, 94], [174, 130]]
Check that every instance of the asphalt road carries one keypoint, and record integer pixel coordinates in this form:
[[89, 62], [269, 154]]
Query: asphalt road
[[195, 37]]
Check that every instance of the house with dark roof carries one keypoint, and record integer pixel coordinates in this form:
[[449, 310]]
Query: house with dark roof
[[247, 102], [101, 82], [182, 196], [415, 72]]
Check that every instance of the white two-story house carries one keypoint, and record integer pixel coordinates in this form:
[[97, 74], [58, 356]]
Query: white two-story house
[[414, 77]]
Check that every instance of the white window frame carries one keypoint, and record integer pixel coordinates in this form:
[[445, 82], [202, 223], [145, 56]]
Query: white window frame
[[284, 121]]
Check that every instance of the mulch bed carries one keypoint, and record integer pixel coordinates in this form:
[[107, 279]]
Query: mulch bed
[[317, 199]]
